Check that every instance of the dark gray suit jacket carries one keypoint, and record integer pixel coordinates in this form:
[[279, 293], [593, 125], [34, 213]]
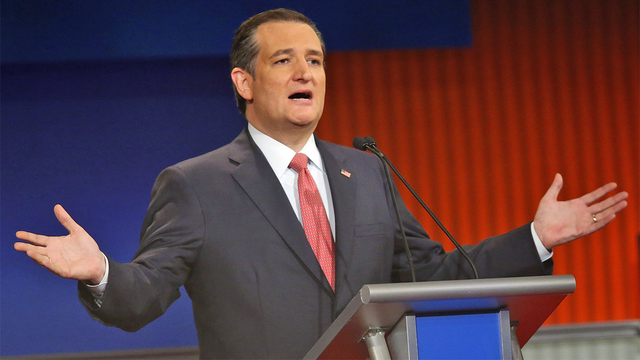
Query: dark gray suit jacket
[[221, 225]]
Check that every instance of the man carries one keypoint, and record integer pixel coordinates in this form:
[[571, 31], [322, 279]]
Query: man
[[271, 246]]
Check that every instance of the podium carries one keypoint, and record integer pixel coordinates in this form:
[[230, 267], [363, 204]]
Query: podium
[[460, 319]]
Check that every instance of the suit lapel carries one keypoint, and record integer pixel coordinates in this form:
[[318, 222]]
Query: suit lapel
[[343, 193], [257, 179]]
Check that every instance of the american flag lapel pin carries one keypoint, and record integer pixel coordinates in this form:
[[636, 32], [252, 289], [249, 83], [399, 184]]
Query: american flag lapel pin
[[345, 173]]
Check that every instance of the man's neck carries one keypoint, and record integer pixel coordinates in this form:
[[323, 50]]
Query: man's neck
[[291, 135], [293, 140]]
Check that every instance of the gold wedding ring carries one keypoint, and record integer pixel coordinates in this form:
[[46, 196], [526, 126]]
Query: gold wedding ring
[[595, 220]]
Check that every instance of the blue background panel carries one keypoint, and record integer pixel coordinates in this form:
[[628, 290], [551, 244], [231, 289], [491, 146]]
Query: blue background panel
[[459, 337], [63, 30]]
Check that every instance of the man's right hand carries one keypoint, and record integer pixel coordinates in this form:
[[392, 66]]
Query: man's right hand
[[75, 256]]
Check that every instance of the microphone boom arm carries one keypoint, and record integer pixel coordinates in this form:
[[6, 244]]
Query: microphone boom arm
[[370, 144]]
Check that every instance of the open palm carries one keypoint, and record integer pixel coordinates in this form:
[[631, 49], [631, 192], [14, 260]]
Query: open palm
[[74, 256], [559, 222]]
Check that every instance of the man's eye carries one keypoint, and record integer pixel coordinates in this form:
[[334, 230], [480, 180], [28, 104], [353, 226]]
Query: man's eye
[[314, 61], [282, 61]]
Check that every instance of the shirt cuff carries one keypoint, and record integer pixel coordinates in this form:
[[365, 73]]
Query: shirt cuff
[[542, 251], [98, 290]]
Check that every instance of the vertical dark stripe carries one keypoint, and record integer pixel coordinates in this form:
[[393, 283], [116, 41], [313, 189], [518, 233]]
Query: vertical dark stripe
[[417, 123], [526, 164], [344, 128], [624, 39], [540, 96], [559, 99], [503, 130], [486, 50], [515, 115], [601, 257], [467, 99], [450, 145], [483, 156], [571, 137], [401, 139]]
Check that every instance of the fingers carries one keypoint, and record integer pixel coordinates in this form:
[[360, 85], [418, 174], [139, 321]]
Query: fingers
[[20, 246], [41, 240], [614, 205], [41, 259], [30, 249], [603, 220], [598, 193], [35, 239], [65, 219], [610, 211], [609, 203], [37, 253], [554, 189], [605, 211]]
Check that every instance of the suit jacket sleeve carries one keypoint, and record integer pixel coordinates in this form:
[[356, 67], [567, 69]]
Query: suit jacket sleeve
[[507, 255], [140, 291]]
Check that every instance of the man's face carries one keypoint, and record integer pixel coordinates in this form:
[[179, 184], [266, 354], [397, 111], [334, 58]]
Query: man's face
[[289, 85]]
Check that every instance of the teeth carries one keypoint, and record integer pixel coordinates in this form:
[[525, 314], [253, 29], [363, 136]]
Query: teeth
[[300, 96]]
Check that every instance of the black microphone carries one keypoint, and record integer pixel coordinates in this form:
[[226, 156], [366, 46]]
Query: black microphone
[[363, 144], [358, 143], [369, 144]]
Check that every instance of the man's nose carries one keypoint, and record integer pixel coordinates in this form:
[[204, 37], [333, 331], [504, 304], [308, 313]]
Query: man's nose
[[302, 71]]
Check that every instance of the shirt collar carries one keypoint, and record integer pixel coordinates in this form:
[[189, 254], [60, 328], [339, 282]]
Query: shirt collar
[[279, 155]]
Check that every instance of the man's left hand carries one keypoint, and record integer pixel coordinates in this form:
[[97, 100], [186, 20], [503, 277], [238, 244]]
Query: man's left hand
[[559, 222]]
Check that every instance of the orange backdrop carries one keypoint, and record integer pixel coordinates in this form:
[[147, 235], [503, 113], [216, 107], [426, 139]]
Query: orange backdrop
[[548, 86]]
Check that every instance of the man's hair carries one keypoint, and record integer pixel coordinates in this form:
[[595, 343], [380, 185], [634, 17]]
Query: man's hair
[[245, 48]]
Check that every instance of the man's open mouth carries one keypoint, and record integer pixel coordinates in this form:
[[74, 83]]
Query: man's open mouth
[[301, 95]]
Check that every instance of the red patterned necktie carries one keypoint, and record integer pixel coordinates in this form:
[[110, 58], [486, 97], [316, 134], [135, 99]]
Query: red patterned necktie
[[314, 218]]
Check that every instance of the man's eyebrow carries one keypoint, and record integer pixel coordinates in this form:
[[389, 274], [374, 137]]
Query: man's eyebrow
[[281, 52], [315, 53], [290, 50]]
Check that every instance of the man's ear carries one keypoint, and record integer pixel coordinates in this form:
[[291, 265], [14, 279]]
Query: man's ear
[[243, 82]]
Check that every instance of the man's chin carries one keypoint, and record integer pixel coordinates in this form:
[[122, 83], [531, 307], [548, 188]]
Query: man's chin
[[304, 119]]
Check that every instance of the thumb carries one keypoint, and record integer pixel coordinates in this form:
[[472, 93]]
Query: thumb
[[65, 219], [554, 189]]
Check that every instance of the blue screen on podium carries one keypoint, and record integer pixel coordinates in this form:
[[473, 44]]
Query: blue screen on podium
[[466, 336]]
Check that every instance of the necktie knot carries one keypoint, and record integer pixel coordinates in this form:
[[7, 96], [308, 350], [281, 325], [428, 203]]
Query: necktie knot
[[299, 162]]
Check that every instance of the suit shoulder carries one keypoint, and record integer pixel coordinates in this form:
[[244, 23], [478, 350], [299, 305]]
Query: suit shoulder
[[211, 159], [210, 165], [348, 153]]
